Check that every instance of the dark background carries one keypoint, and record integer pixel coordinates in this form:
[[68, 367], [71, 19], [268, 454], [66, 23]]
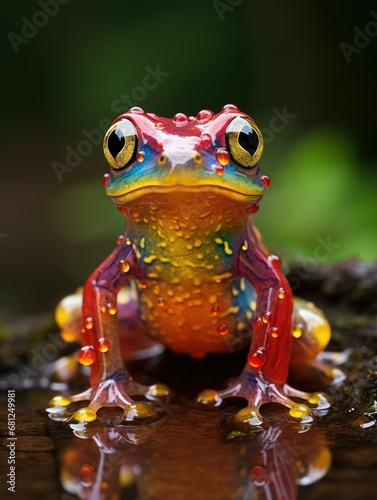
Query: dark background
[[263, 56]]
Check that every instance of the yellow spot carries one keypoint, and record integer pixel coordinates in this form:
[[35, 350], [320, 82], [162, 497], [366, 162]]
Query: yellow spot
[[252, 305], [179, 234], [162, 244], [241, 326], [142, 242], [160, 223], [175, 263], [219, 241], [242, 284], [145, 220], [197, 281], [196, 328], [175, 281], [150, 259], [212, 299], [164, 259], [171, 239], [198, 302], [197, 243], [189, 247], [231, 310], [219, 277], [186, 295], [248, 315], [227, 249], [178, 299], [152, 275], [206, 214], [170, 293], [218, 227], [209, 267], [235, 292], [156, 290], [199, 255]]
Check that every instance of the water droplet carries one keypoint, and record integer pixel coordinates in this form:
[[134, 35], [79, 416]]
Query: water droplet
[[230, 107], [119, 239], [111, 309], [275, 260], [159, 390], [281, 293], [222, 329], [124, 266], [219, 169], [266, 317], [89, 323], [142, 284], [140, 156], [274, 332], [239, 213], [297, 331], [105, 179], [128, 241], [87, 475], [257, 358], [216, 310], [162, 304], [135, 213], [245, 245], [256, 323], [259, 475], [122, 209], [299, 411], [103, 345], [180, 118], [85, 415], [253, 209], [266, 181], [222, 156], [206, 140], [137, 109], [86, 355], [159, 125], [204, 114]]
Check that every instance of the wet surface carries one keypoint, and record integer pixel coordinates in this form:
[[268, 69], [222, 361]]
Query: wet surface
[[193, 453]]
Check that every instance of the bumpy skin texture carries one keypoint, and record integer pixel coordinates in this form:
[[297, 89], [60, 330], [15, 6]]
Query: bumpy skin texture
[[204, 279]]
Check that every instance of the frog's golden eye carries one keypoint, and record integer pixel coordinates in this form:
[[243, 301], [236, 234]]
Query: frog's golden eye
[[120, 144], [244, 141]]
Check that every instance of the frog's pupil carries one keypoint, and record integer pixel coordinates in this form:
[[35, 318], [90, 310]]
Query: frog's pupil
[[248, 140], [116, 143]]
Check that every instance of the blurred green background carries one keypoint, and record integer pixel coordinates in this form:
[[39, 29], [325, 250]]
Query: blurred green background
[[266, 57]]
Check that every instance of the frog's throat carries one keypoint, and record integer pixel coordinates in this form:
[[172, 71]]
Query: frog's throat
[[129, 196]]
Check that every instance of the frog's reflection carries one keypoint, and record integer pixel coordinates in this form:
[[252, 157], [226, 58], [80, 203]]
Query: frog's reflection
[[120, 463]]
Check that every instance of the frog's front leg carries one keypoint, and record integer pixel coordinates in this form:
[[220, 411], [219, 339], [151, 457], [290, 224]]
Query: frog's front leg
[[264, 377], [111, 384]]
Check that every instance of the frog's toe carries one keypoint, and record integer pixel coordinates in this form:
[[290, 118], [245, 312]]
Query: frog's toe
[[248, 416], [209, 398]]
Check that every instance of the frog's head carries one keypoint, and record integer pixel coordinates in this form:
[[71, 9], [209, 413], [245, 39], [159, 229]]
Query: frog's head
[[210, 154]]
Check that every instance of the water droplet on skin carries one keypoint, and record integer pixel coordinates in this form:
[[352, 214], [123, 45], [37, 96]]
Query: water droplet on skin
[[103, 345], [89, 323], [299, 411], [222, 329], [275, 260], [135, 213], [122, 209], [111, 309], [159, 125], [258, 475], [87, 475], [119, 239], [140, 156], [245, 245], [297, 331], [180, 118], [219, 169], [137, 109], [253, 209], [204, 114], [162, 304], [266, 181], [222, 156], [239, 213], [266, 318], [206, 140], [257, 358], [128, 241], [281, 293], [142, 284], [215, 310], [274, 332], [230, 107], [124, 266], [256, 323], [86, 355], [105, 179]]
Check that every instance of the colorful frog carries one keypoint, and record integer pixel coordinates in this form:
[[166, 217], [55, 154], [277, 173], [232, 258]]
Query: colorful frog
[[193, 271]]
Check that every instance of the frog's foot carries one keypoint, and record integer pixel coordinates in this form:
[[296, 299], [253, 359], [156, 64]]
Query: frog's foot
[[114, 392], [258, 392]]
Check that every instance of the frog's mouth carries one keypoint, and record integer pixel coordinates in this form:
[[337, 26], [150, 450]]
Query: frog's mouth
[[179, 189]]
